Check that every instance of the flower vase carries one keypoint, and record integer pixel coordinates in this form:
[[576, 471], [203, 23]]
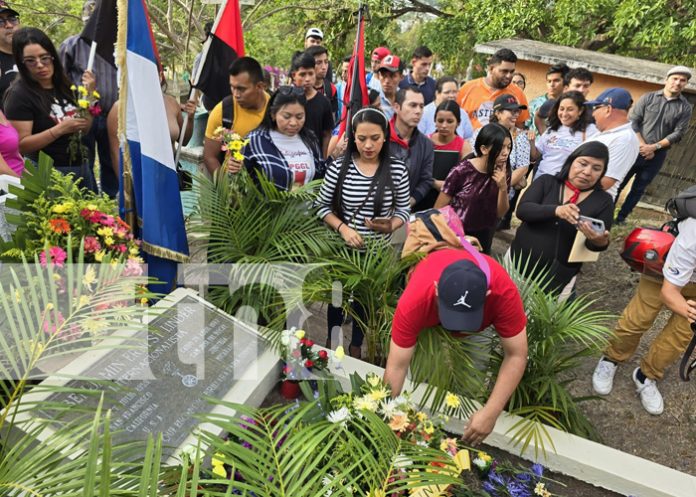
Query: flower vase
[[290, 389]]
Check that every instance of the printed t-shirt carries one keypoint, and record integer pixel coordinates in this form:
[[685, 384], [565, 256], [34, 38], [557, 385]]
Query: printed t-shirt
[[417, 308], [476, 98], [556, 146], [297, 155], [681, 260], [22, 105], [624, 147], [244, 122]]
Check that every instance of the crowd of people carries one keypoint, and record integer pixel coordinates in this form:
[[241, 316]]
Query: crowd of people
[[558, 161]]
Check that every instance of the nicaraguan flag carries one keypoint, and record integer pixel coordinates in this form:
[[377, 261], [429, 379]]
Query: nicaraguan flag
[[157, 202]]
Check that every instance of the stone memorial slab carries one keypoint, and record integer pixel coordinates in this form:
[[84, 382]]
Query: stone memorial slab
[[190, 351]]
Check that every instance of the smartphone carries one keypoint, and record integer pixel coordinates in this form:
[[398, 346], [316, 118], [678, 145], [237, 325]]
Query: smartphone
[[381, 220], [597, 225]]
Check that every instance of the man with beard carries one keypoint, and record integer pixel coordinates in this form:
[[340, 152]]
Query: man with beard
[[476, 96]]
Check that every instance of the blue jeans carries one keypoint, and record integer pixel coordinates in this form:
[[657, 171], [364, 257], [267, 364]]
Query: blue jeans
[[98, 138], [644, 171]]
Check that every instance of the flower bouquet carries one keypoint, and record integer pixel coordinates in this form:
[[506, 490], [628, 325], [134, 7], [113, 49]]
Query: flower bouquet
[[231, 143], [302, 361], [87, 103], [502, 479]]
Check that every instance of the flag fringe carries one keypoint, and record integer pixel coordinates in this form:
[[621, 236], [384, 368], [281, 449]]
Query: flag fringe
[[121, 50]]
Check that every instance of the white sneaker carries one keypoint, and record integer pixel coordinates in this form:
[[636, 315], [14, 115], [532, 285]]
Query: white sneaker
[[650, 396], [603, 377]]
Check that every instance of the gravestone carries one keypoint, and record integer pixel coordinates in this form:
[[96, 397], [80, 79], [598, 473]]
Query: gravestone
[[193, 351]]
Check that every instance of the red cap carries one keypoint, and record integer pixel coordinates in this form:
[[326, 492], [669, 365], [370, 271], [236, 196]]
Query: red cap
[[379, 53], [391, 63]]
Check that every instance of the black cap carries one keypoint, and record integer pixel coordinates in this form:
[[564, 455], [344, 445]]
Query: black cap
[[507, 102], [461, 294], [4, 7]]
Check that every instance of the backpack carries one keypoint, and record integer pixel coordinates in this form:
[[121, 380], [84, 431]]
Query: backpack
[[436, 229], [227, 119]]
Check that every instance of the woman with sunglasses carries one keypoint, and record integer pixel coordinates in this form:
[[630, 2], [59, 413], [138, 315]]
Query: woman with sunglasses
[[41, 106], [282, 148]]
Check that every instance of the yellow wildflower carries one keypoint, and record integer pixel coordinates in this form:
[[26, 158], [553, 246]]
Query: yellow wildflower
[[421, 416], [300, 334], [484, 457], [82, 90], [144, 301], [379, 394], [219, 466], [108, 241], [84, 300], [18, 296], [94, 325], [92, 207], [134, 250], [35, 347], [96, 94], [452, 400], [83, 104], [339, 353], [90, 277], [73, 87], [428, 427], [106, 231], [49, 306], [98, 256]]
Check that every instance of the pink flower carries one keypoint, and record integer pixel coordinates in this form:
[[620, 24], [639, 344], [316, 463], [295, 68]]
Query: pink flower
[[95, 110], [107, 220], [57, 254], [52, 328], [92, 244], [133, 268], [91, 216]]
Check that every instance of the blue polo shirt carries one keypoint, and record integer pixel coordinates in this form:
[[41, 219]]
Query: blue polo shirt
[[427, 87]]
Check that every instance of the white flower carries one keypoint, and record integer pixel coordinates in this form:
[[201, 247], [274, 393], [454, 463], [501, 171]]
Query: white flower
[[365, 403], [390, 408], [479, 463], [402, 462], [422, 443], [373, 379], [339, 417]]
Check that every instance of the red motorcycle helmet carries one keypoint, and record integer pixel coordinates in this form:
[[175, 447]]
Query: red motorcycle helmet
[[645, 250]]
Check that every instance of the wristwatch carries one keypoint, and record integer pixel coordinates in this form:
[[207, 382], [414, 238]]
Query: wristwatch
[[658, 146]]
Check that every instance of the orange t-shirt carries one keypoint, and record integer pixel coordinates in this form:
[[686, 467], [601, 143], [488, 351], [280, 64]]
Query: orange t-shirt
[[476, 98]]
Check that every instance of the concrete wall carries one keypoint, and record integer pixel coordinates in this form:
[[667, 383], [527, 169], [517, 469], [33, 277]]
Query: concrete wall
[[536, 81]]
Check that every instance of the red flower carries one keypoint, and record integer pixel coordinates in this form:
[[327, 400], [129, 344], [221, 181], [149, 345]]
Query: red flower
[[308, 364], [59, 225], [91, 216], [323, 355], [309, 343], [95, 110]]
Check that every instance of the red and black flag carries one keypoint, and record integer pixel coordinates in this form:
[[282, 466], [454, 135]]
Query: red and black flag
[[222, 47], [355, 96], [101, 27]]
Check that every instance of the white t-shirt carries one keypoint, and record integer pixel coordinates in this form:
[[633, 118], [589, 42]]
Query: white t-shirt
[[623, 146], [681, 260], [556, 146], [297, 155]]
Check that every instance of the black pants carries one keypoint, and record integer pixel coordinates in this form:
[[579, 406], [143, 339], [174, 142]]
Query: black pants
[[335, 318], [485, 238]]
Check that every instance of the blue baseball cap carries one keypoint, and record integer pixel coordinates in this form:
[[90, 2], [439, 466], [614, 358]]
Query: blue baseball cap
[[618, 98], [461, 295]]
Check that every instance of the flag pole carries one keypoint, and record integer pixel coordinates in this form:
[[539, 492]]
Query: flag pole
[[356, 65], [127, 176]]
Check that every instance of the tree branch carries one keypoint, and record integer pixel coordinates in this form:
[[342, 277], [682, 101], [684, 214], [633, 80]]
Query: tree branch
[[292, 7], [417, 6], [21, 6]]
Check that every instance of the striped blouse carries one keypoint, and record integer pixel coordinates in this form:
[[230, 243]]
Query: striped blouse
[[355, 189]]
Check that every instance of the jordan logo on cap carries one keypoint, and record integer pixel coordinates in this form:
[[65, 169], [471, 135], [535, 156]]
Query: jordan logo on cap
[[462, 300]]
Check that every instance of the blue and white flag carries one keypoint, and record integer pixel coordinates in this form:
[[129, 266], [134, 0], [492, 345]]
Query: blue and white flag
[[155, 194]]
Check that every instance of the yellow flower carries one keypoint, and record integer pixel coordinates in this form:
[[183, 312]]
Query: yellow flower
[[452, 400], [339, 353], [134, 250], [94, 325], [96, 94], [92, 207], [84, 300], [379, 394], [399, 422], [83, 104], [218, 466], [73, 87], [484, 457], [106, 231], [90, 277], [365, 404], [108, 241], [82, 90], [421, 416], [59, 209], [49, 306], [540, 489], [237, 156], [448, 443], [144, 301], [373, 380], [18, 296], [35, 347], [300, 334], [98, 256], [428, 427]]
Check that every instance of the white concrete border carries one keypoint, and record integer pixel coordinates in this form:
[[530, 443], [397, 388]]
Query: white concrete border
[[574, 456]]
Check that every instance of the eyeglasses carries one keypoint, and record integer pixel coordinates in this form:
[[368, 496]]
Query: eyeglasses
[[46, 60], [291, 90], [12, 21]]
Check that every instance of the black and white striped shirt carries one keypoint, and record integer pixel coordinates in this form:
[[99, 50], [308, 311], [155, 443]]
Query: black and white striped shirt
[[355, 188]]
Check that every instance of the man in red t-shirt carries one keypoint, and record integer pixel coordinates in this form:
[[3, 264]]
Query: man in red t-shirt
[[448, 288]]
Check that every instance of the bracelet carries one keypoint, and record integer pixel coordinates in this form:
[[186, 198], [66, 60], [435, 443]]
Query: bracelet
[[50, 131], [338, 228]]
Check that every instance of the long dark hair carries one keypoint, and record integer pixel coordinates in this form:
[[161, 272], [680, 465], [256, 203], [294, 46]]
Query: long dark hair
[[382, 179], [287, 95], [594, 149], [61, 84], [492, 135], [450, 106], [579, 100]]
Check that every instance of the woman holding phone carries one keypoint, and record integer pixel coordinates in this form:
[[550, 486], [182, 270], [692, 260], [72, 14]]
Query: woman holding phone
[[365, 195], [551, 211]]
